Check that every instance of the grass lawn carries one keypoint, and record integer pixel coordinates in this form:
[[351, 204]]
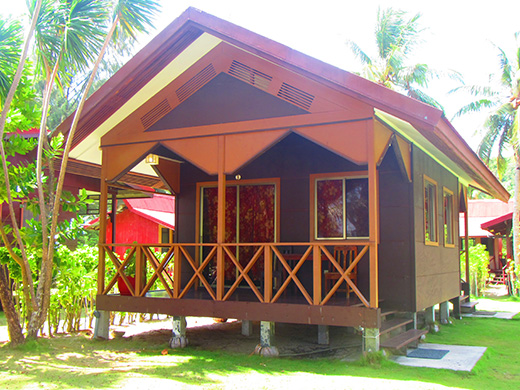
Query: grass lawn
[[78, 362]]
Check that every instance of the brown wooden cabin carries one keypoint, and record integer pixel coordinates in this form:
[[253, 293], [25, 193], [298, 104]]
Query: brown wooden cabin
[[276, 159]]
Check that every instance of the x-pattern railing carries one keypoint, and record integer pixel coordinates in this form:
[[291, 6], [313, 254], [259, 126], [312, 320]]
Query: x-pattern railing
[[180, 255]]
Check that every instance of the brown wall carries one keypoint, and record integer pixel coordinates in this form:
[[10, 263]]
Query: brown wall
[[396, 267], [436, 267], [292, 159]]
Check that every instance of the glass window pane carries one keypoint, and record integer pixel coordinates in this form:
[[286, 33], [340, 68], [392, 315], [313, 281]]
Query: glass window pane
[[329, 206], [430, 222], [357, 207], [448, 218]]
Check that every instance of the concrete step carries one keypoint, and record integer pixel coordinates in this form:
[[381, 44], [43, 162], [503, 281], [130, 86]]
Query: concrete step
[[468, 307], [397, 343]]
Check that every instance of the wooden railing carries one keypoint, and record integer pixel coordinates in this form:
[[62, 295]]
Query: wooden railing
[[162, 264]]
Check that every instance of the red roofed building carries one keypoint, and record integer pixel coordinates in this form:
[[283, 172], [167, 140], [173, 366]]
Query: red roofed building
[[150, 220]]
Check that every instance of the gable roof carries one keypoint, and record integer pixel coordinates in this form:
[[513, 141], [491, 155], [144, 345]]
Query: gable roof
[[195, 33]]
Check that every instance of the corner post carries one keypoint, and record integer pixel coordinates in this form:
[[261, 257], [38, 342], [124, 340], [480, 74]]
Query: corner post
[[373, 215], [103, 204]]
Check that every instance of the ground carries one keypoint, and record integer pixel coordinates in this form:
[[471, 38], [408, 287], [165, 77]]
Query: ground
[[291, 340]]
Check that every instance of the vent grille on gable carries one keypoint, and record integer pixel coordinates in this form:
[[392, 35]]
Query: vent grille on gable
[[155, 114], [250, 75], [296, 96], [196, 82]]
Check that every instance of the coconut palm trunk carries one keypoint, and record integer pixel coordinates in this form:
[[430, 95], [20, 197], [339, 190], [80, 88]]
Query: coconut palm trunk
[[13, 322]]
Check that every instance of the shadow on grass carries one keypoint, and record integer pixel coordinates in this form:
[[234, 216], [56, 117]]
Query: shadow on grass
[[77, 362]]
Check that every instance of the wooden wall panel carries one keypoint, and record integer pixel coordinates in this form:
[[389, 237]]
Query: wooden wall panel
[[396, 270], [437, 266]]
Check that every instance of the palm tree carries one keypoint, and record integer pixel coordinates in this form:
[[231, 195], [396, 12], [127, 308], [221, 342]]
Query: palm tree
[[15, 330], [501, 98], [69, 33], [396, 36], [128, 17]]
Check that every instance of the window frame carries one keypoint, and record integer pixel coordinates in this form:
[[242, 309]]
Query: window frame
[[447, 192], [426, 182], [344, 176]]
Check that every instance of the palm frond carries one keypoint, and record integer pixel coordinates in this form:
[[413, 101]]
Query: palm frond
[[475, 106], [84, 32], [10, 48], [359, 53], [423, 97], [135, 16]]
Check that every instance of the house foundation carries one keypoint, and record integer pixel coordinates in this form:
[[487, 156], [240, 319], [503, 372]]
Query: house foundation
[[179, 339], [102, 326], [266, 347]]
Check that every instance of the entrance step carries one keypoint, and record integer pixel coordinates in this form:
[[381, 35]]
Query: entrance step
[[393, 324], [399, 342], [468, 307]]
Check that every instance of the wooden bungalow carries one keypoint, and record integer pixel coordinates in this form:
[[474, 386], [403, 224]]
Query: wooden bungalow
[[279, 164]]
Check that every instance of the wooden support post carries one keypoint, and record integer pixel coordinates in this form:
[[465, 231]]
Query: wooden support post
[[317, 274], [221, 216], [373, 217], [139, 271], [113, 215], [268, 274], [103, 204], [466, 250], [177, 271]]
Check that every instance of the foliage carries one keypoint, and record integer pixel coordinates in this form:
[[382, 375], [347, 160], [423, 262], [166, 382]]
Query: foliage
[[396, 36], [478, 268], [74, 287]]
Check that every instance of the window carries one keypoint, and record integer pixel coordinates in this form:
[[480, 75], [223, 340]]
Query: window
[[448, 199], [430, 211], [341, 207]]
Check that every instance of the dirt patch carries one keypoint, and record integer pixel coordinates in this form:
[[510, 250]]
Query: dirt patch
[[291, 340]]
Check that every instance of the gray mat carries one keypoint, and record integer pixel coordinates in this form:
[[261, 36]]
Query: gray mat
[[423, 353]]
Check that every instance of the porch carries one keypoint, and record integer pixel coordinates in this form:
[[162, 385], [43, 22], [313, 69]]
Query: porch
[[177, 279]]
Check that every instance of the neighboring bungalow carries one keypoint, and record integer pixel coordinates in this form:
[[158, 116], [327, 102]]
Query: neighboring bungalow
[[148, 220], [279, 163], [489, 223]]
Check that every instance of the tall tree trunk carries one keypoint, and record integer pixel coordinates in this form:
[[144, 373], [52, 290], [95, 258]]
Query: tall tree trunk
[[13, 320], [516, 215]]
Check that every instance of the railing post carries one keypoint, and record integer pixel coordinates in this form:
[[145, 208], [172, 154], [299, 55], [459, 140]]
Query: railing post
[[268, 274], [139, 270], [177, 271], [316, 272], [101, 270]]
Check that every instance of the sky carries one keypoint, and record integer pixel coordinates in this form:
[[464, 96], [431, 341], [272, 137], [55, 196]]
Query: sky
[[459, 35]]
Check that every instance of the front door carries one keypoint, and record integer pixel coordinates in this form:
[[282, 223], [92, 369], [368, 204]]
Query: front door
[[250, 218]]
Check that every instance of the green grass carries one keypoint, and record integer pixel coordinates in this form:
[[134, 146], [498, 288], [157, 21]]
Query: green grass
[[77, 361], [3, 321]]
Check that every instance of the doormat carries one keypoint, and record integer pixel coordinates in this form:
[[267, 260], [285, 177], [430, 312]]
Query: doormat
[[423, 353]]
